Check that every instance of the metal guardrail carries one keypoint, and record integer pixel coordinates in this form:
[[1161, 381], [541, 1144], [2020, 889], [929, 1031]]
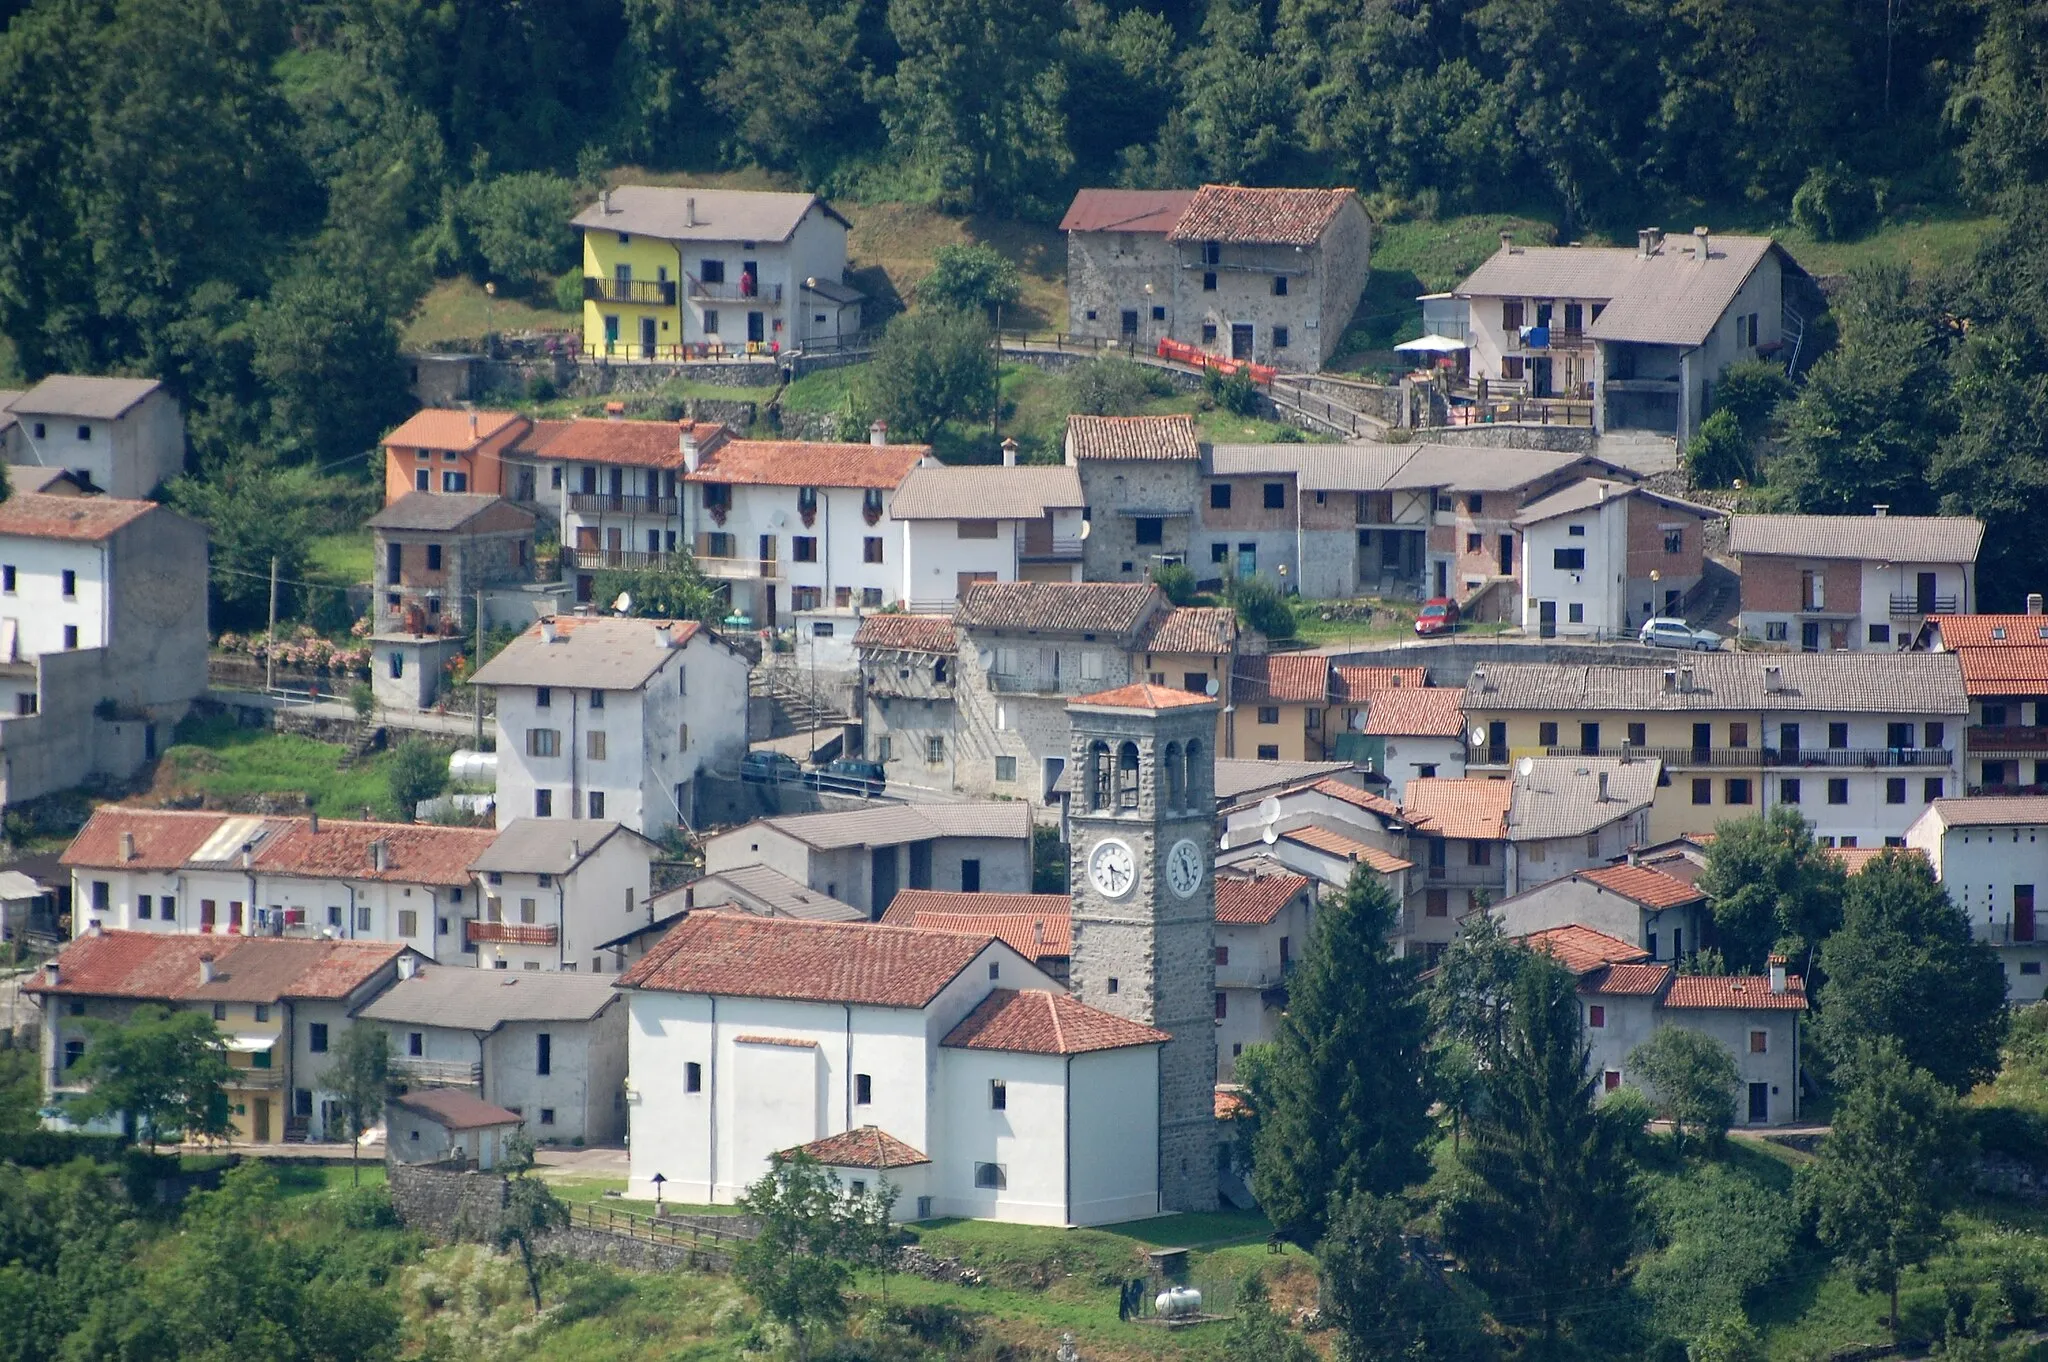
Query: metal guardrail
[[1796, 759], [621, 503], [657, 291]]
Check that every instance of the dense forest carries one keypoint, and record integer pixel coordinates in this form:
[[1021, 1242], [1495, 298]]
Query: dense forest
[[249, 197]]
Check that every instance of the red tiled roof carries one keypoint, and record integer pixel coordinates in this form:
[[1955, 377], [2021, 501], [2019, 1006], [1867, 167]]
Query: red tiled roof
[[1355, 683], [1194, 629], [805, 463], [1230, 1104], [1277, 217], [1062, 607], [1126, 210], [1142, 695], [538, 435], [1363, 799], [637, 444], [1426, 713], [164, 839], [1037, 1022], [163, 966], [907, 633], [742, 956], [1627, 981], [1736, 991], [417, 853], [442, 428], [862, 1147], [1652, 888], [454, 1109], [1350, 848], [1255, 902], [1282, 679], [1036, 926], [1133, 437], [2004, 669], [1854, 859], [1992, 631], [1583, 950], [36, 515], [1468, 807]]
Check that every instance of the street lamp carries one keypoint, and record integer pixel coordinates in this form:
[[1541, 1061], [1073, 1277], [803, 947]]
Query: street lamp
[[658, 1180]]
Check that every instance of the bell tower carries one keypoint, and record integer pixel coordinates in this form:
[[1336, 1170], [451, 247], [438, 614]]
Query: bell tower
[[1142, 815]]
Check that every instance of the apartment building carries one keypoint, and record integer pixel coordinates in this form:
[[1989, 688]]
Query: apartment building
[[1602, 556], [552, 893], [1991, 853], [1825, 583], [979, 524], [2005, 670], [1859, 743]]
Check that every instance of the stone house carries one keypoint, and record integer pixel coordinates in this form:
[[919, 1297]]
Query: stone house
[[1990, 853], [1139, 479], [431, 554], [447, 1123], [908, 667], [103, 636], [1266, 275], [1600, 557], [2005, 671], [124, 437], [548, 1046], [442, 451], [1661, 914], [1825, 583]]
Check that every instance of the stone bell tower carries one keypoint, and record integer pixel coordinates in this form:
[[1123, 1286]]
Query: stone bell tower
[[1142, 813]]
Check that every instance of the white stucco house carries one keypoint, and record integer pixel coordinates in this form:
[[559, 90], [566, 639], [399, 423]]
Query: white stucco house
[[963, 525], [1825, 583], [121, 436], [1262, 927], [1990, 852], [1000, 1096], [1659, 914], [612, 719], [551, 892], [1599, 557]]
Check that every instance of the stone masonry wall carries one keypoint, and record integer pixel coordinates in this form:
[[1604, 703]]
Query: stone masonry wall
[[1109, 486], [447, 1204]]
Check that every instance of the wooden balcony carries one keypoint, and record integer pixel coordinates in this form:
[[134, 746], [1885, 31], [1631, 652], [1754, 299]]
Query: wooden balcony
[[588, 559], [513, 933], [438, 1073], [658, 292], [607, 503]]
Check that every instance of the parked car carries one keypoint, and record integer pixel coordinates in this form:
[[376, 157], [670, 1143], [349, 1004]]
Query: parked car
[[1665, 632], [765, 767], [849, 775], [1439, 616]]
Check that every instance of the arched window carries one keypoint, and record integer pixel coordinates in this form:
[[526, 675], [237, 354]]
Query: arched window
[[1098, 776], [1175, 782], [1194, 786], [1127, 776]]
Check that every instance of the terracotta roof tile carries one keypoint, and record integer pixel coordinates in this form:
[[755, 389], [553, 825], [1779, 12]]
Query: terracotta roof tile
[[1425, 713], [742, 956], [1992, 811], [164, 839], [1060, 607], [1357, 798], [1257, 901], [1652, 888], [1736, 991], [2004, 669], [166, 967], [862, 1147], [1627, 981], [1126, 210], [1583, 950], [454, 1109], [1037, 1022], [37, 515], [443, 428], [1277, 217], [1855, 860], [1142, 695], [1991, 631], [1470, 808], [1194, 629], [1230, 1104], [1356, 683], [907, 633], [1350, 848], [804, 463], [635, 444], [1281, 679], [1036, 926], [1132, 437], [416, 853]]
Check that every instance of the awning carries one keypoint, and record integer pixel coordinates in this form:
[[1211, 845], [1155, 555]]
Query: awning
[[250, 1044], [1435, 345]]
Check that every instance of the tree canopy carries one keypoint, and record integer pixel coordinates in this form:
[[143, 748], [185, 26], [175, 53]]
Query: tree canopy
[[161, 1071], [1773, 888]]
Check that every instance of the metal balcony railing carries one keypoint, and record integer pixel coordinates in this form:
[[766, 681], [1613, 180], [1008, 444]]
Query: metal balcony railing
[[609, 503], [1914, 604], [1765, 756], [615, 558], [439, 1072], [657, 291]]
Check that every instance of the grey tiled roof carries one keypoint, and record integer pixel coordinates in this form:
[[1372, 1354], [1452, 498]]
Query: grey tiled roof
[[1470, 468], [83, 395], [437, 511], [1668, 299], [597, 651], [548, 846], [1865, 683], [721, 214], [471, 999], [1894, 538], [1560, 796], [890, 824], [757, 889], [1587, 493], [982, 493]]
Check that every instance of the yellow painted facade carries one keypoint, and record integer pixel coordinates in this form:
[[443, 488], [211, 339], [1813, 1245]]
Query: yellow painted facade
[[619, 308], [258, 1100]]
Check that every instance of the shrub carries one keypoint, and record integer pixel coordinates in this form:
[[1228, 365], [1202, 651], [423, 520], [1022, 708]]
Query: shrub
[[521, 224], [1718, 453], [363, 699], [1235, 393], [1834, 203], [1751, 390], [1260, 606], [418, 771], [569, 290], [969, 277], [1177, 580], [1110, 387]]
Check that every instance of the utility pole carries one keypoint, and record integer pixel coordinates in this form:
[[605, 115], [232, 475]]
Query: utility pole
[[270, 634], [476, 696]]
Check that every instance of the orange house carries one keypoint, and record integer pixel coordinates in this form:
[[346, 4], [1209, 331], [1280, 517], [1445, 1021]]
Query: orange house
[[450, 451]]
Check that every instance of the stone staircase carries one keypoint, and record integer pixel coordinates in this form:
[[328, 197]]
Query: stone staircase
[[792, 705]]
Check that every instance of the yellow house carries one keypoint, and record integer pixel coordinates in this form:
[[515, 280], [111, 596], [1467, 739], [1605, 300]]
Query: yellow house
[[1191, 648], [1859, 743], [1278, 706], [685, 273]]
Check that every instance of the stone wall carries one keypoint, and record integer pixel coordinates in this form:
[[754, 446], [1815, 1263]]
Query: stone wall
[[594, 378], [1561, 439], [445, 1203]]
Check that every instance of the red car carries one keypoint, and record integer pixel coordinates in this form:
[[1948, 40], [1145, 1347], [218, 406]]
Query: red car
[[1439, 616]]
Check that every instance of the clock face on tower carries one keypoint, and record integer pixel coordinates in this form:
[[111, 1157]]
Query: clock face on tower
[[1184, 868], [1112, 868]]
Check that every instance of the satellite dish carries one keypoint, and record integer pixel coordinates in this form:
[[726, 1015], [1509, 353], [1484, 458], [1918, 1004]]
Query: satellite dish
[[985, 658], [1269, 809], [624, 604], [1213, 686], [1223, 841], [1525, 766], [779, 519], [1478, 736], [1269, 836], [1087, 528]]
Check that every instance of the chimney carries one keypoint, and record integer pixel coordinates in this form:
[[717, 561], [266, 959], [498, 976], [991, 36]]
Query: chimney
[[472, 425], [127, 846], [606, 199], [1881, 509], [1635, 855], [52, 974], [313, 823], [1009, 452], [575, 850], [1038, 933], [408, 965], [1700, 249], [547, 630], [878, 433], [615, 411], [692, 455], [1604, 797], [248, 855], [1479, 678], [2033, 602], [93, 928], [1646, 243], [1507, 242], [1774, 678], [380, 855], [1777, 967], [205, 969], [664, 636], [690, 211]]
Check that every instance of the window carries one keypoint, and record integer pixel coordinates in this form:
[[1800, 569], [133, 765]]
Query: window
[[1596, 1017], [362, 915], [1158, 314], [543, 697], [1219, 500], [1788, 790], [408, 922], [85, 432], [527, 907], [433, 557], [693, 1077], [1475, 543], [804, 548], [1930, 789], [1112, 984], [1880, 633], [1575, 613], [1898, 735], [597, 803], [547, 1116], [142, 906], [970, 879], [1674, 541], [415, 1043], [1702, 791], [1546, 734], [990, 1176], [711, 271], [544, 1053], [543, 742], [41, 430], [1838, 790], [1222, 1005], [70, 637], [1638, 735], [593, 744], [1738, 790], [1269, 714], [975, 529], [1280, 336], [1568, 560], [1777, 631], [935, 748], [597, 699], [455, 482], [1269, 751], [998, 1095], [1511, 315], [1895, 790], [1208, 285], [74, 1050], [871, 549], [1006, 770], [102, 896], [1129, 321], [543, 803], [7, 578], [821, 628], [220, 1012], [1223, 955], [397, 665], [1759, 1042], [1436, 903], [1738, 735], [1148, 530], [1275, 494], [1994, 716], [1279, 286], [1838, 736], [70, 584], [316, 1037], [1576, 531], [1208, 333]]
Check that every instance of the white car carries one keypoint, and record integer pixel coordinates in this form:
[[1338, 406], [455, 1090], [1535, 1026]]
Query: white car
[[1664, 632]]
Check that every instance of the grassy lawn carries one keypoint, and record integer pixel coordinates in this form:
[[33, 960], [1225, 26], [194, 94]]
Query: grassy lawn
[[218, 760], [297, 1179], [459, 309], [341, 558]]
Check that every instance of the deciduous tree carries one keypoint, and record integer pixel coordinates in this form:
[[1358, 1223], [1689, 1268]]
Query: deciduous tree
[[1692, 1081], [359, 1076], [159, 1071], [934, 365], [1773, 887], [812, 1235]]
